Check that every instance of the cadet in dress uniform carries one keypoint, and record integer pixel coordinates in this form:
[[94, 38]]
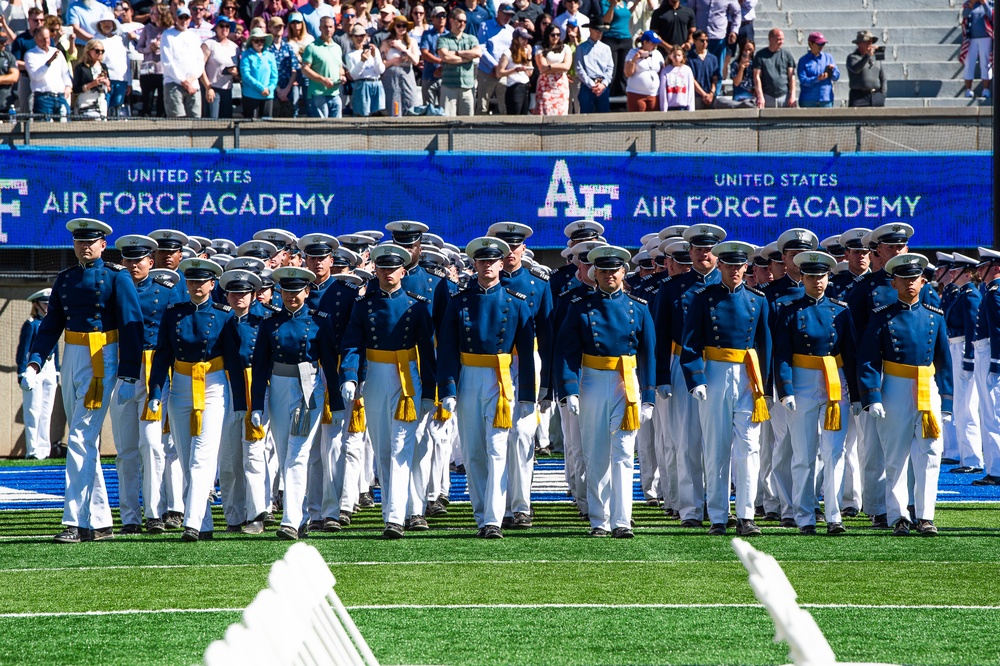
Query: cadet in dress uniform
[[575, 232], [726, 348], [141, 460], [961, 315], [242, 470], [670, 307], [391, 329], [905, 378], [170, 244], [318, 250], [282, 241], [815, 367], [37, 403], [96, 304], [607, 363], [484, 327], [987, 374], [200, 341], [291, 347]]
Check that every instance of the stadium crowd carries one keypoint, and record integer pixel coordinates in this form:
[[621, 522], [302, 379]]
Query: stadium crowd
[[316, 58], [299, 372]]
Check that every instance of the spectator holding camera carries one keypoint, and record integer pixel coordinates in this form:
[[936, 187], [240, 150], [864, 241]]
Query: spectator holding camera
[[817, 73], [642, 71], [741, 72], [864, 72], [365, 67]]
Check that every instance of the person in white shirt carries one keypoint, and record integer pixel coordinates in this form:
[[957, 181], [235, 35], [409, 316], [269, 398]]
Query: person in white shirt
[[83, 16], [200, 25], [365, 67], [183, 64], [677, 83], [642, 71], [572, 11], [51, 83], [116, 60]]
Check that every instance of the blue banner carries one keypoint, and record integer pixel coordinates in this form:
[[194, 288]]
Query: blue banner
[[947, 197]]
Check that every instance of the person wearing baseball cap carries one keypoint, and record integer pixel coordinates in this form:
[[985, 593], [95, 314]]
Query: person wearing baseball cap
[[37, 403], [817, 73], [642, 71], [864, 72], [496, 36]]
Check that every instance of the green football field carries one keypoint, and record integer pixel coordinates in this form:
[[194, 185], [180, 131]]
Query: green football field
[[548, 595]]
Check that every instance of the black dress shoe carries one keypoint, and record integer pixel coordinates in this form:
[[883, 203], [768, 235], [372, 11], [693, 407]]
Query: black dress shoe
[[880, 522], [747, 528], [820, 516], [598, 532], [788, 522], [772, 516], [522, 521], [206, 536], [492, 532], [345, 518], [253, 527], [691, 522], [190, 534], [102, 534], [155, 526], [718, 529], [834, 529], [849, 512], [418, 524], [392, 531], [622, 533], [366, 500], [460, 469], [331, 525], [130, 529], [652, 501], [965, 469], [287, 533], [807, 530], [443, 500], [901, 527], [758, 511], [435, 508], [315, 526], [926, 528], [268, 519], [174, 520], [68, 535], [950, 461], [507, 523], [234, 529], [988, 480]]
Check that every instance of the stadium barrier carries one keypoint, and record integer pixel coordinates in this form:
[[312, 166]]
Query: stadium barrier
[[296, 620]]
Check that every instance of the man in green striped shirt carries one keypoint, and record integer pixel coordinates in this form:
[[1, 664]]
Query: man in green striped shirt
[[458, 51]]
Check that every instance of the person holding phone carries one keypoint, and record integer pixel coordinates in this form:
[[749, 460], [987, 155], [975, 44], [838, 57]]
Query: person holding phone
[[864, 71], [365, 67], [817, 73], [642, 71], [516, 67]]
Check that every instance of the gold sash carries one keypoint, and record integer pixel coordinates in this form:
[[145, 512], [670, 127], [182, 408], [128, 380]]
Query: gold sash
[[626, 365], [748, 357], [95, 342], [501, 364], [923, 374], [406, 410], [198, 372]]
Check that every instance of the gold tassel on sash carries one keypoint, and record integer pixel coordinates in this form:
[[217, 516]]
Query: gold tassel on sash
[[95, 342], [930, 427], [327, 418], [253, 433], [147, 364], [440, 414], [626, 365], [359, 423], [198, 373], [749, 358], [502, 417], [831, 377]]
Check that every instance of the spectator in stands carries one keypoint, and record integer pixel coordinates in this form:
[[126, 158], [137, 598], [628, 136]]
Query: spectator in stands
[[259, 76], [748, 12], [705, 68], [386, 15], [51, 83], [977, 44], [515, 67], [266, 9], [62, 38], [619, 38], [400, 54], [364, 17], [572, 41], [864, 72], [8, 76], [365, 67], [553, 59], [342, 35], [418, 16], [475, 15], [527, 10], [323, 64], [151, 69], [495, 37], [774, 73], [538, 34], [741, 73], [183, 64], [458, 52], [200, 25], [642, 69], [720, 19], [572, 12], [91, 83], [817, 73], [116, 61], [6, 28], [313, 12], [677, 84], [24, 43], [228, 10], [595, 67], [83, 16], [674, 24], [286, 93], [298, 36], [430, 80], [221, 54]]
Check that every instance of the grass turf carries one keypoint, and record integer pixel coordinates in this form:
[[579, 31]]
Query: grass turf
[[553, 563]]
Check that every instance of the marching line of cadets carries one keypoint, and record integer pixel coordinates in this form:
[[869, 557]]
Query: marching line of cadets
[[297, 371]]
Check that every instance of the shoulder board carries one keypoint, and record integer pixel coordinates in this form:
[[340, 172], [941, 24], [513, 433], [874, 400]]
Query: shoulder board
[[755, 290], [859, 278], [516, 294], [934, 309], [646, 277], [316, 313], [993, 286], [113, 266], [270, 306], [641, 301], [881, 307], [418, 297], [576, 299], [361, 298], [179, 304], [541, 275], [220, 306], [838, 302], [437, 271], [163, 281], [763, 287]]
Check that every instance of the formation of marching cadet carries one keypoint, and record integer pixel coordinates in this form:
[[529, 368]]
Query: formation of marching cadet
[[294, 372]]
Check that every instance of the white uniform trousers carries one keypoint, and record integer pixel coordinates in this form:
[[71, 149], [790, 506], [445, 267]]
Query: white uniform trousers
[[141, 461], [369, 464], [682, 412], [576, 463], [648, 473], [781, 458], [521, 449], [608, 450], [665, 442], [989, 419], [86, 503], [315, 488], [443, 438], [851, 495], [765, 484], [232, 480], [966, 416], [809, 438], [872, 465], [484, 447], [420, 466], [906, 450], [173, 476], [730, 438], [37, 408], [293, 451], [199, 454], [394, 441], [542, 432], [341, 453]]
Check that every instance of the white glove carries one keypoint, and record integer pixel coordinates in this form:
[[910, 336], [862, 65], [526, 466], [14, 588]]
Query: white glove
[[30, 379], [449, 404], [966, 376], [699, 392], [154, 406], [645, 412], [426, 406], [789, 402], [663, 390], [257, 418], [525, 409], [348, 391], [877, 410], [573, 402], [126, 391], [856, 408], [946, 417]]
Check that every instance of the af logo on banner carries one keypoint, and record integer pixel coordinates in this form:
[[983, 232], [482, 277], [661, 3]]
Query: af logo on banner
[[12, 208], [562, 191]]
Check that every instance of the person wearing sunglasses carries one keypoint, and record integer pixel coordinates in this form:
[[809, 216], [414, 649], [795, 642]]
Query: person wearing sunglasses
[[91, 83], [220, 69], [116, 62], [259, 74], [458, 52]]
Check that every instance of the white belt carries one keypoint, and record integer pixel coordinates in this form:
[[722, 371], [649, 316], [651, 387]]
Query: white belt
[[981, 344], [957, 338]]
